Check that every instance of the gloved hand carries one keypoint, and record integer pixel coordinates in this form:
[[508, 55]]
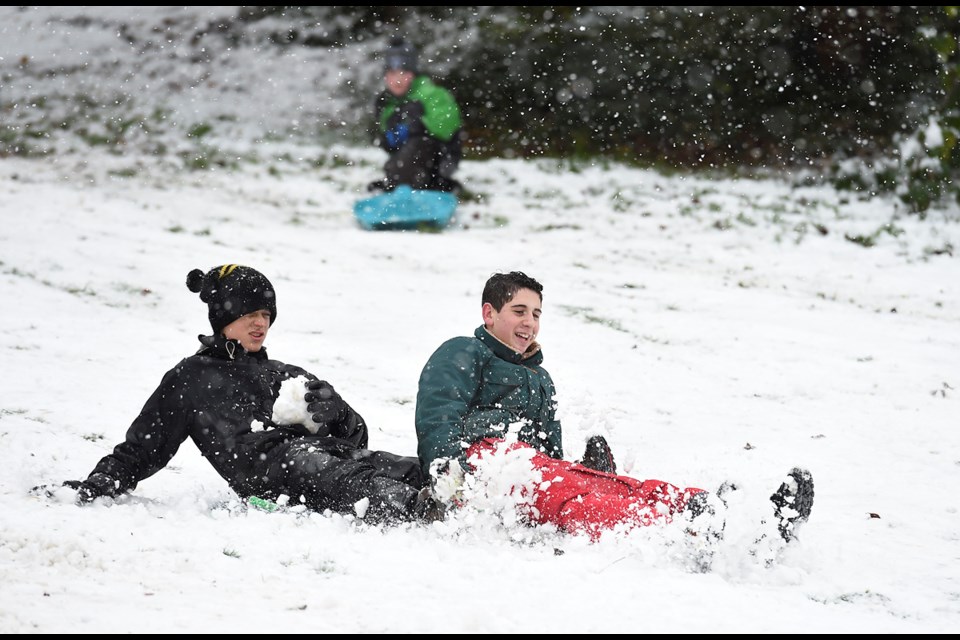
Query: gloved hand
[[96, 486], [325, 405], [447, 479], [396, 136]]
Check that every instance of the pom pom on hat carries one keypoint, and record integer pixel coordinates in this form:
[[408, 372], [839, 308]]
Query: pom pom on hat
[[195, 280]]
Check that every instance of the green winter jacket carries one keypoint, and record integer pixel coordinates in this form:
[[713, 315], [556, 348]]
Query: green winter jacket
[[441, 115], [475, 388]]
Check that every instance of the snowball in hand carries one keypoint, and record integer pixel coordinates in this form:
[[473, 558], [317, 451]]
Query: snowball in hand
[[290, 407]]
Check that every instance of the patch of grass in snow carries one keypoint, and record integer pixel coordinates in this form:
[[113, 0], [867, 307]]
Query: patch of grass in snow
[[199, 130], [133, 289], [855, 597], [556, 227], [76, 290], [871, 239], [946, 249], [204, 157], [129, 172], [586, 314]]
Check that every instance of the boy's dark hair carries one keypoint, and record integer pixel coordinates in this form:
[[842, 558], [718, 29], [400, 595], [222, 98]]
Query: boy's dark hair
[[501, 287]]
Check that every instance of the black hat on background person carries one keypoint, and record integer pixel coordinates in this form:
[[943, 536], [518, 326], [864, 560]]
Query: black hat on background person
[[400, 55], [231, 291]]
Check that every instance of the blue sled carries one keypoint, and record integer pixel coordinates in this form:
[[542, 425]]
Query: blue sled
[[406, 208]]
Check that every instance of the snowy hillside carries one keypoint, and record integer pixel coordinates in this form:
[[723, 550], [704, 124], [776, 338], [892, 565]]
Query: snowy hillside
[[712, 329]]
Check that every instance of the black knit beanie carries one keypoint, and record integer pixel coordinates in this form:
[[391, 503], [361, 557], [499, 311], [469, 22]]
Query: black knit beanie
[[400, 55], [232, 291]]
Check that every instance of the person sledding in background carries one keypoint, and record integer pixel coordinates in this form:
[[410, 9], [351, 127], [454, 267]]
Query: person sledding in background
[[223, 398], [418, 124], [489, 395]]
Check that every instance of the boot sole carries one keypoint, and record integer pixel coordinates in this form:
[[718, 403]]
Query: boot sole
[[795, 495]]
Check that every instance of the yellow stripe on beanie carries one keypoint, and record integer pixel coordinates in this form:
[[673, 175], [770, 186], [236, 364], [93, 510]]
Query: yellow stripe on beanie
[[227, 269]]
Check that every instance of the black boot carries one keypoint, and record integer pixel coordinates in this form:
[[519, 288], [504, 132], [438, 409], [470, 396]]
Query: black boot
[[697, 505], [706, 515], [393, 502], [598, 455], [427, 508], [704, 527], [792, 502], [383, 185], [447, 185]]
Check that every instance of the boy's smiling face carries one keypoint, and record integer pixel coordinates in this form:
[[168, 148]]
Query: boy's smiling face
[[398, 81], [517, 323]]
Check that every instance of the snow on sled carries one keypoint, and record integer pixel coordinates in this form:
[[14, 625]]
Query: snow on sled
[[406, 208]]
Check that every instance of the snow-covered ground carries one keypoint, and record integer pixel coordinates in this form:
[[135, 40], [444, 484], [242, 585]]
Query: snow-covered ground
[[711, 329]]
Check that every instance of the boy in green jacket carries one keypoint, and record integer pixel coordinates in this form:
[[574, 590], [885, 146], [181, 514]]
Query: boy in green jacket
[[489, 395], [418, 125]]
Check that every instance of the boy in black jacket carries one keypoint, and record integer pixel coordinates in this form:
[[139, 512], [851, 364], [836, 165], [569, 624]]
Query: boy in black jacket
[[223, 398]]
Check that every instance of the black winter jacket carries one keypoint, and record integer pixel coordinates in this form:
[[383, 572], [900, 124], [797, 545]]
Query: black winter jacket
[[222, 398]]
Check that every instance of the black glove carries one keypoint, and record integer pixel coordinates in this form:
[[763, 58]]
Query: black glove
[[96, 486], [325, 404]]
